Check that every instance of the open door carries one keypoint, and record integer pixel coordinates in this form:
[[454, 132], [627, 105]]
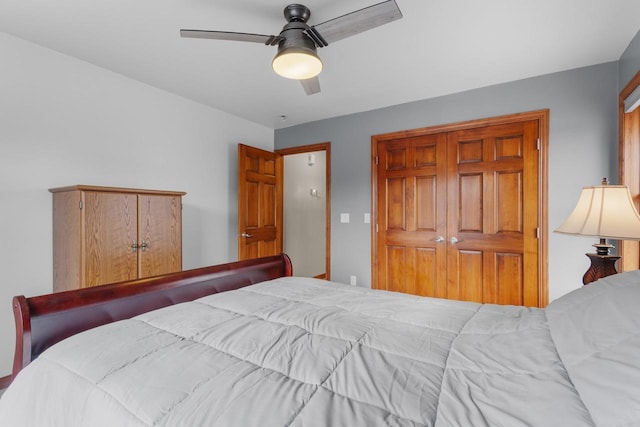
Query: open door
[[260, 203]]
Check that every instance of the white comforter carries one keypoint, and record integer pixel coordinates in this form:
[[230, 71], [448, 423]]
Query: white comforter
[[305, 352]]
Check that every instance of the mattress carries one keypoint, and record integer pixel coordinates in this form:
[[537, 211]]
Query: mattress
[[307, 352]]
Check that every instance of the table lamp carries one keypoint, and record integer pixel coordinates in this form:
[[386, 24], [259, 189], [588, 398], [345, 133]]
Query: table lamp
[[604, 211]]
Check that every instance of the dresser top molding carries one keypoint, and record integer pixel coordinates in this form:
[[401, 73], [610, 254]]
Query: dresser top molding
[[115, 190]]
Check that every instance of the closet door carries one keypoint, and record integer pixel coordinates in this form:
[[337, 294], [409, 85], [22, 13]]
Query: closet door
[[110, 231], [159, 234], [411, 209], [460, 210], [492, 214]]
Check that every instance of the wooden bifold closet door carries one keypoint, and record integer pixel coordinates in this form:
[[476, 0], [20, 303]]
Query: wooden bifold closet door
[[458, 212]]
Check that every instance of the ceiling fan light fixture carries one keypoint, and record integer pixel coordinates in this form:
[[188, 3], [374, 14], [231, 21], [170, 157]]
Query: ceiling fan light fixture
[[298, 64]]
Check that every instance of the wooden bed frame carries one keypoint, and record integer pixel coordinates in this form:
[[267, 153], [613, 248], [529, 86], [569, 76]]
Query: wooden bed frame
[[44, 320]]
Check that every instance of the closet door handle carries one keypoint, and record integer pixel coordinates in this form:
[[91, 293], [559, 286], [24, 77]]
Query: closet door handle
[[247, 235], [439, 239], [454, 240], [134, 246], [143, 246]]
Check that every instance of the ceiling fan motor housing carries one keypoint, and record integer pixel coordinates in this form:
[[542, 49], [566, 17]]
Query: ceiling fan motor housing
[[297, 12], [294, 36]]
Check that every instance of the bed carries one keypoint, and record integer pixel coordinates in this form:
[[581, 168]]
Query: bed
[[251, 345]]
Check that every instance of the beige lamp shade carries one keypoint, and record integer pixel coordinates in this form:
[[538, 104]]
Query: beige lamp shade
[[605, 211]]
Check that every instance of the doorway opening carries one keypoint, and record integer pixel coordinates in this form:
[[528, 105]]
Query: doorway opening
[[307, 208]]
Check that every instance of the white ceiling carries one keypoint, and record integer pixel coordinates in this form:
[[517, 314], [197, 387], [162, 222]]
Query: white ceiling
[[438, 47]]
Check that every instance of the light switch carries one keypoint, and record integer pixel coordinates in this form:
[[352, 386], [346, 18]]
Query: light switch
[[367, 218], [344, 218]]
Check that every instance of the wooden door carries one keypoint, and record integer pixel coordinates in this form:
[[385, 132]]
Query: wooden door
[[492, 214], [110, 230], [411, 208], [159, 234], [459, 210], [259, 203]]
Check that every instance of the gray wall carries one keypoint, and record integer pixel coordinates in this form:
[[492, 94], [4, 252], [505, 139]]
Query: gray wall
[[582, 149], [630, 62]]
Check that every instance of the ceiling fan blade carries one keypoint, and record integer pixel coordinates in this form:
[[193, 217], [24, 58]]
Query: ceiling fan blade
[[311, 85], [227, 35], [357, 22]]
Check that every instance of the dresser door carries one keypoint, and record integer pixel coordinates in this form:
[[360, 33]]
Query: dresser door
[[110, 236], [159, 234]]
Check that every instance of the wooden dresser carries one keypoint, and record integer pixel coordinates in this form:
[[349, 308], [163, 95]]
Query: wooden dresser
[[104, 234]]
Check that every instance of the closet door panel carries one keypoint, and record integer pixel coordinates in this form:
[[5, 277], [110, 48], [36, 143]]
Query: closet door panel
[[509, 281], [492, 169], [425, 283], [397, 267], [509, 203], [465, 274], [469, 203], [426, 203], [412, 215], [396, 204]]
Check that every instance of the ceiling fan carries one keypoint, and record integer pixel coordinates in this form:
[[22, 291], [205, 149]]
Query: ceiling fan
[[297, 56]]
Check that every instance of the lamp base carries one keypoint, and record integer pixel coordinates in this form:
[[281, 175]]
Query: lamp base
[[601, 266]]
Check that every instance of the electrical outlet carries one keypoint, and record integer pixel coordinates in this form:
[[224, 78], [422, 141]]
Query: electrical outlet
[[352, 280]]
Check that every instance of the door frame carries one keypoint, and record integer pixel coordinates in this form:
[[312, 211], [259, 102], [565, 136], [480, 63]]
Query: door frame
[[629, 168], [326, 147], [542, 116]]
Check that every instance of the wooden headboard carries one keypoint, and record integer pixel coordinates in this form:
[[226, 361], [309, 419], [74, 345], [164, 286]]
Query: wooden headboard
[[44, 320]]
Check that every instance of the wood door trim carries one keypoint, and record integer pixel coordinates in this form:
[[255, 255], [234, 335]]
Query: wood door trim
[[326, 147], [542, 116], [629, 168], [470, 124]]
